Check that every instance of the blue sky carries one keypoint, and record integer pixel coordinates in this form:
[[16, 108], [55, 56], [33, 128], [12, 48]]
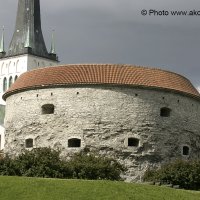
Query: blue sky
[[114, 31]]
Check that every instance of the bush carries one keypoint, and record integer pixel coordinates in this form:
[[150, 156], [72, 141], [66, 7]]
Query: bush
[[45, 162], [186, 174], [95, 167], [8, 167], [42, 162]]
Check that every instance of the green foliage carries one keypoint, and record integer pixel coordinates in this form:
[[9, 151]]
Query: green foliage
[[42, 162], [8, 167], [95, 167], [45, 162], [186, 174]]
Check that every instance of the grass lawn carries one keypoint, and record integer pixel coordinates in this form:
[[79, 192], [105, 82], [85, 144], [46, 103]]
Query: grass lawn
[[14, 188]]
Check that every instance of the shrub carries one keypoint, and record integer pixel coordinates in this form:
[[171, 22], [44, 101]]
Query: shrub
[[41, 162], [45, 162], [8, 167], [186, 174], [95, 167]]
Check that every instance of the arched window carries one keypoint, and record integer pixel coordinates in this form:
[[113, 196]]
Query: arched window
[[74, 142], [47, 109], [10, 81], [186, 150], [133, 142], [4, 84], [29, 143], [165, 112], [16, 77]]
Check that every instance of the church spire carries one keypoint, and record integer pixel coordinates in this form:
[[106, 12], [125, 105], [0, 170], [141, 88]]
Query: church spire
[[28, 32]]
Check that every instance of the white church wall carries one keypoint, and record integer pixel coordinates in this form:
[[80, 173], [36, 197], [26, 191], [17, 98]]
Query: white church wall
[[10, 68]]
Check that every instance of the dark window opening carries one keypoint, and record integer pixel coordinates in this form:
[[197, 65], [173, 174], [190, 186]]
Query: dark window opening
[[186, 150], [133, 142], [29, 143], [74, 142], [4, 84], [165, 112], [16, 77], [47, 109], [10, 81]]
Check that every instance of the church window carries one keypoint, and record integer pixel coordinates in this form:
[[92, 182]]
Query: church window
[[10, 81], [165, 112], [16, 77], [133, 142], [185, 150], [4, 84], [47, 109], [74, 142], [29, 143]]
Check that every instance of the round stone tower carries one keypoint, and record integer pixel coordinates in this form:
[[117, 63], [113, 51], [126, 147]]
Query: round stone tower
[[140, 116]]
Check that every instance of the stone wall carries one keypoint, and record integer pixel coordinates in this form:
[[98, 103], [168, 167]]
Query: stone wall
[[109, 120]]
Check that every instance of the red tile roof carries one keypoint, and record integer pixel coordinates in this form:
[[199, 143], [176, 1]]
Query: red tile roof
[[98, 74]]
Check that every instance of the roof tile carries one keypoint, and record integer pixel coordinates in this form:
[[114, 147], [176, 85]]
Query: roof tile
[[102, 74]]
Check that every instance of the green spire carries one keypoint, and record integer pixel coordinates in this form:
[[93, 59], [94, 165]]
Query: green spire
[[2, 48], [53, 46], [28, 42]]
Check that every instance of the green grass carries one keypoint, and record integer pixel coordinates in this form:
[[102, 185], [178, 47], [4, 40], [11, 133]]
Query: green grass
[[14, 188]]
